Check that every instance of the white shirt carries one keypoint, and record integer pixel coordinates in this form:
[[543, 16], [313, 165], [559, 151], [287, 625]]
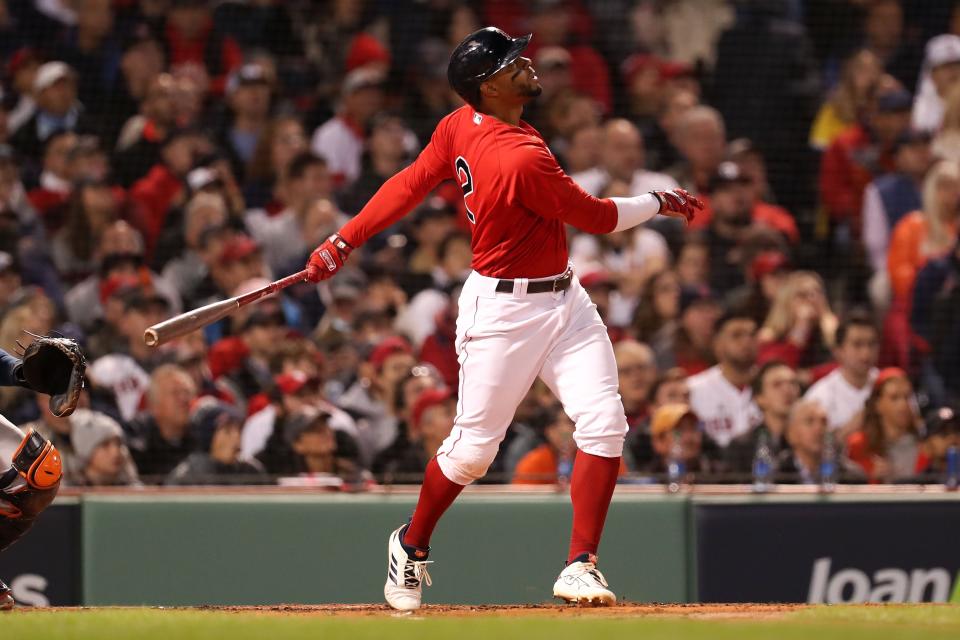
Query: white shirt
[[594, 180], [726, 411], [340, 146], [124, 377], [840, 399]]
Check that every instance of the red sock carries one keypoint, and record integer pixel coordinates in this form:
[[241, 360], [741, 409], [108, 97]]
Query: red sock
[[436, 494], [591, 488]]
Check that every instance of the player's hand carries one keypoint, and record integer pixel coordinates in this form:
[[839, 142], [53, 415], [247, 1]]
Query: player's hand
[[328, 258], [678, 203]]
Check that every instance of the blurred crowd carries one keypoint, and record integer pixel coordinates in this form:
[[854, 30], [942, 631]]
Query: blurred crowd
[[158, 155]]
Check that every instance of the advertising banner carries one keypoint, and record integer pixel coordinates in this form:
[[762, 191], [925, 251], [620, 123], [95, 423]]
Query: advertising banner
[[836, 552], [43, 567]]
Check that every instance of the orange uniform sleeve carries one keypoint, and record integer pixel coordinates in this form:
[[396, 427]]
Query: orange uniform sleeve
[[402, 192], [540, 185]]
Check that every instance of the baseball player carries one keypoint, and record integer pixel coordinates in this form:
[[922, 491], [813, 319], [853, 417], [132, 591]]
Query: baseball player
[[30, 466], [523, 313]]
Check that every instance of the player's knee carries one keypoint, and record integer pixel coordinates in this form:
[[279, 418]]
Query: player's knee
[[467, 464], [602, 430]]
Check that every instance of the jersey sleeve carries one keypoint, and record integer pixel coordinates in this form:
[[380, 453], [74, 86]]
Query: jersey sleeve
[[402, 192], [540, 185]]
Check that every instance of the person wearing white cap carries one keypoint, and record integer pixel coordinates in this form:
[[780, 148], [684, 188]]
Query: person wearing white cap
[[941, 71], [55, 91]]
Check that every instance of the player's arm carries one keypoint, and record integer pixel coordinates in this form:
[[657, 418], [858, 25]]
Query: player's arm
[[542, 186], [395, 199], [11, 371]]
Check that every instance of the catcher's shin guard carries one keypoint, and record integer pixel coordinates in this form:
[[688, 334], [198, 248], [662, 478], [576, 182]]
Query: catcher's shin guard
[[6, 597], [28, 487]]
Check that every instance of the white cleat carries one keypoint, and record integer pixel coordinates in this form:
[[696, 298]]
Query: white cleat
[[582, 583], [405, 575]]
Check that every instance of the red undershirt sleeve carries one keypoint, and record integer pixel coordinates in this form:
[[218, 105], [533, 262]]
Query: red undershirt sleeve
[[401, 193], [541, 186]]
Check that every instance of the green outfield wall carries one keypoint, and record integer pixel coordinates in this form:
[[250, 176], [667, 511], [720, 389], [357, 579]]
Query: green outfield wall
[[322, 549]]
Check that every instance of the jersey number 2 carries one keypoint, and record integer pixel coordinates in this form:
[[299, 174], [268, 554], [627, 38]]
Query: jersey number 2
[[466, 183]]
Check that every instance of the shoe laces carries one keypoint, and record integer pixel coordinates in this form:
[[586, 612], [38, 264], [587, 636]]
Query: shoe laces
[[420, 571], [590, 569]]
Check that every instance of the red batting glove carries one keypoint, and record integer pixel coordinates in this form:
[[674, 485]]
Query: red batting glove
[[678, 203], [327, 259]]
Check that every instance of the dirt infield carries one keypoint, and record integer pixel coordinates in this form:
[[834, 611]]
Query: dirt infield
[[624, 610]]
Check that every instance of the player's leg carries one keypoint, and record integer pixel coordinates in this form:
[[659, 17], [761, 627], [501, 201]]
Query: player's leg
[[582, 372], [501, 343], [30, 471]]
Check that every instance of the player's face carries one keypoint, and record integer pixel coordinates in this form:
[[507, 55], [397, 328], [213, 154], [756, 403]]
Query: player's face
[[517, 80]]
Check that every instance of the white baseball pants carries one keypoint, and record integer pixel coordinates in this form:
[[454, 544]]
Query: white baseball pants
[[504, 341]]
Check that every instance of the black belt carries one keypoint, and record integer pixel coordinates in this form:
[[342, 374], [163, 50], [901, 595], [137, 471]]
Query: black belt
[[540, 286]]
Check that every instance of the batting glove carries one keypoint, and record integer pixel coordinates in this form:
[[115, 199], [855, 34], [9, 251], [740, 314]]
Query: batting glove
[[678, 203], [327, 259]]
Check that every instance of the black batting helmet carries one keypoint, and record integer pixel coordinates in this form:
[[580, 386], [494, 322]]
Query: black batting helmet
[[479, 56]]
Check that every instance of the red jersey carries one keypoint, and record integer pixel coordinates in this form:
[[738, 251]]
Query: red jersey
[[517, 196]]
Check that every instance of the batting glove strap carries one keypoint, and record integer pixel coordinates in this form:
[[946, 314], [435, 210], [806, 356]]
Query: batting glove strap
[[328, 258]]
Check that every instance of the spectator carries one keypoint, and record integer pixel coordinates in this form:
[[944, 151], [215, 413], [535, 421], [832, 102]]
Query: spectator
[[926, 234], [56, 180], [192, 39], [431, 420], [729, 219], [314, 448], [637, 371], [102, 457], [622, 158], [941, 70], [157, 119], [862, 153], [21, 68], [776, 390], [700, 137], [753, 165], [676, 425], [887, 447], [248, 94], [431, 97], [161, 435], [55, 90], [240, 260], [660, 140], [893, 195], [340, 139], [943, 432], [388, 149], [801, 328], [244, 359], [142, 61], [370, 401], [670, 387], [946, 141], [583, 152], [439, 348], [693, 261], [658, 307], [552, 461], [766, 276], [284, 234], [843, 392], [849, 100], [721, 396], [282, 141], [92, 51], [10, 281], [800, 463], [217, 427], [690, 345], [204, 213], [91, 210], [886, 36]]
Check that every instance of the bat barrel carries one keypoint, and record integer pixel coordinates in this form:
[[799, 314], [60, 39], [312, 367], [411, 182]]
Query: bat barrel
[[190, 321]]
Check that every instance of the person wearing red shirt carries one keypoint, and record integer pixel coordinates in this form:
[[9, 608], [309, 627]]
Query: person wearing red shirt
[[523, 313]]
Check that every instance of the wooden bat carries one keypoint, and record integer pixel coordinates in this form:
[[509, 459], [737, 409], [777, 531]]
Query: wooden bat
[[192, 320]]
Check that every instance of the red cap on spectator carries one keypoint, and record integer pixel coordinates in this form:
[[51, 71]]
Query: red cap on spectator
[[641, 61], [365, 49], [887, 374], [595, 279], [767, 262], [387, 348], [427, 399], [21, 57], [293, 382], [115, 284], [237, 248]]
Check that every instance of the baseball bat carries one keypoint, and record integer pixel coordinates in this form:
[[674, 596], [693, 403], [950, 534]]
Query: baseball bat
[[184, 323]]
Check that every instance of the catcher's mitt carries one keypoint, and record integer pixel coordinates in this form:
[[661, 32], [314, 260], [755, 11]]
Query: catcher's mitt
[[55, 366]]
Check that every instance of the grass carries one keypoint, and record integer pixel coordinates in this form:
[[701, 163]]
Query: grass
[[916, 622]]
